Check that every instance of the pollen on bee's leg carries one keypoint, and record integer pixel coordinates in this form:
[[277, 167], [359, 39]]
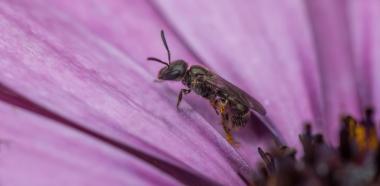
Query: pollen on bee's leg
[[219, 105], [222, 106], [222, 109], [214, 105], [231, 141], [229, 137]]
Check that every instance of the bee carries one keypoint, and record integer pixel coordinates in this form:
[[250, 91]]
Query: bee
[[230, 102]]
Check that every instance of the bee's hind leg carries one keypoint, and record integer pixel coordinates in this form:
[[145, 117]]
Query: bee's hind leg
[[214, 104], [227, 130], [219, 105]]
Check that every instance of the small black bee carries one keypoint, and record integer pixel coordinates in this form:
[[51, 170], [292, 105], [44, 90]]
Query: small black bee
[[232, 103]]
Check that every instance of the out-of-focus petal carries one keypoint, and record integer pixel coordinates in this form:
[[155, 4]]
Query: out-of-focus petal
[[183, 174], [259, 51], [365, 30], [376, 66], [56, 62], [329, 21], [38, 151]]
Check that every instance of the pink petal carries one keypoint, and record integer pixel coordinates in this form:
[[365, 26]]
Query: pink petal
[[366, 43], [81, 77], [38, 151], [186, 176], [330, 28]]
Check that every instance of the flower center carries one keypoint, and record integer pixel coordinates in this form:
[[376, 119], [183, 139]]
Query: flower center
[[356, 160]]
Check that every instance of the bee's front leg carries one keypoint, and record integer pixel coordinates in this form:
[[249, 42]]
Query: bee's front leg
[[181, 93]]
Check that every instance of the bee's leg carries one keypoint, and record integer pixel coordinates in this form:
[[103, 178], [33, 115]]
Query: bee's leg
[[229, 137], [227, 130], [181, 93], [214, 104], [220, 105]]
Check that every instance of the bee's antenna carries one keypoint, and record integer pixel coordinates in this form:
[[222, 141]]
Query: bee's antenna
[[166, 44], [158, 60]]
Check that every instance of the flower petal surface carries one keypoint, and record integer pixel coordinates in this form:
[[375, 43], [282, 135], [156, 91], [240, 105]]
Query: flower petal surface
[[365, 31], [53, 60], [330, 23], [37, 151]]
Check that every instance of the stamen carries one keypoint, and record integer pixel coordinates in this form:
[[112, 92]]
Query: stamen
[[356, 161]]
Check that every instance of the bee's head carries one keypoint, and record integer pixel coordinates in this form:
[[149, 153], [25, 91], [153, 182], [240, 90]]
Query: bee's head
[[173, 70]]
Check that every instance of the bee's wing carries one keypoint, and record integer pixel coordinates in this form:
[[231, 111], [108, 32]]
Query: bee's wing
[[235, 93]]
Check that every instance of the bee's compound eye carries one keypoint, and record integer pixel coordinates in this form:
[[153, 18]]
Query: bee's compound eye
[[175, 71], [173, 74]]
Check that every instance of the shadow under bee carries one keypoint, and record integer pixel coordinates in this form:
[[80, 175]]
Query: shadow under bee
[[258, 127]]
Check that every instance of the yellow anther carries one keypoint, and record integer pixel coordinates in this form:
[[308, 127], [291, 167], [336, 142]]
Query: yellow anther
[[352, 128], [373, 141], [365, 138], [360, 137]]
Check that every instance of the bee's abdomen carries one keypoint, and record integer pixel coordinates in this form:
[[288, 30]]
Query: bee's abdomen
[[239, 120], [239, 114]]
